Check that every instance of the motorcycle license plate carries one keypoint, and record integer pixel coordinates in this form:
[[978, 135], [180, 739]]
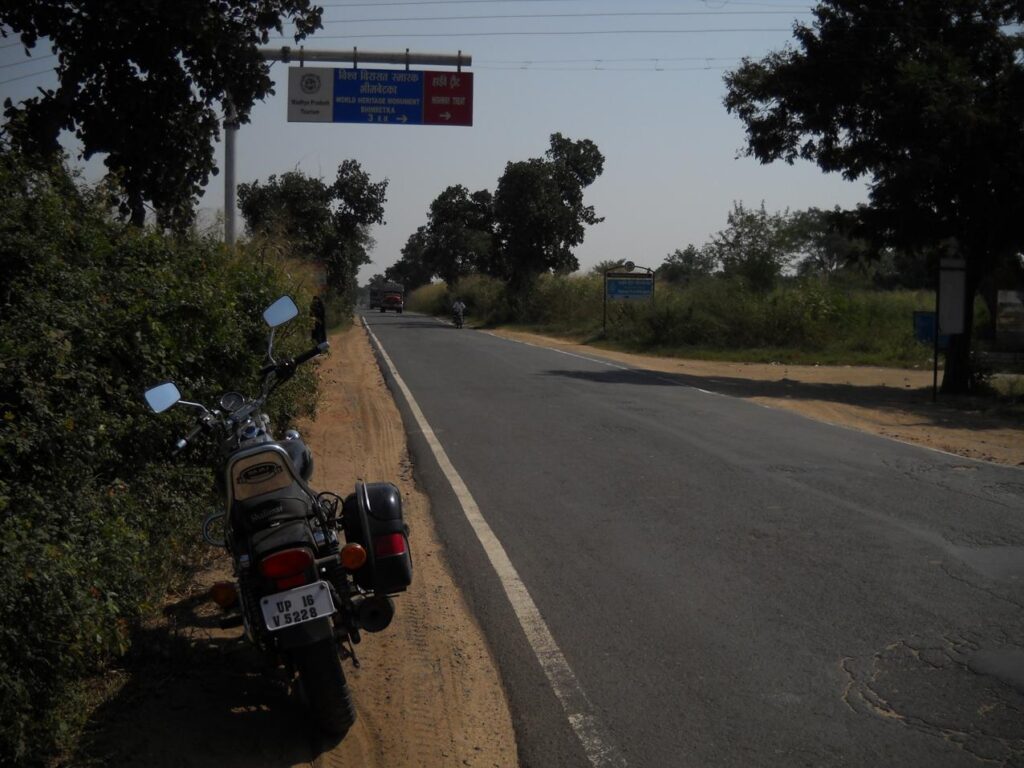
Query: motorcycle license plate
[[296, 606]]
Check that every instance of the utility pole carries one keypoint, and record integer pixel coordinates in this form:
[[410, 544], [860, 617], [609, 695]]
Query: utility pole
[[286, 54], [230, 134]]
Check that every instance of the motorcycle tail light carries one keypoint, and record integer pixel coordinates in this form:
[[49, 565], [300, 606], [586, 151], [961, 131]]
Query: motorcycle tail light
[[353, 556], [389, 544], [287, 562], [291, 581]]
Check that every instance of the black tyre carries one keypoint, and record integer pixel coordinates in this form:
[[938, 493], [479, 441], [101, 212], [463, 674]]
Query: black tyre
[[323, 685]]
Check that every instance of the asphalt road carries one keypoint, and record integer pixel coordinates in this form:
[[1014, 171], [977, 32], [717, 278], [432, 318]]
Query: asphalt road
[[729, 585]]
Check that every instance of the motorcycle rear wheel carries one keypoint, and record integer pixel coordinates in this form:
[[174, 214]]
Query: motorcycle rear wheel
[[324, 688]]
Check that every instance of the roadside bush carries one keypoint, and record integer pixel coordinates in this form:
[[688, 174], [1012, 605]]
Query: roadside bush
[[95, 518], [428, 299], [808, 319]]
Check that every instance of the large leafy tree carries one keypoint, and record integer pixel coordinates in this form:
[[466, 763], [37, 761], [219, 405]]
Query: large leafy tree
[[825, 243], [459, 233], [412, 269], [685, 266], [146, 84], [325, 223], [923, 97], [755, 246], [539, 213]]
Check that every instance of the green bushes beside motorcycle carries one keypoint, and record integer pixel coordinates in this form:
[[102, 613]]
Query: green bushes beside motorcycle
[[96, 520]]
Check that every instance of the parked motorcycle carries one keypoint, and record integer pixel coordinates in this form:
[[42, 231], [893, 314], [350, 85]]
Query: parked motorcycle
[[311, 570]]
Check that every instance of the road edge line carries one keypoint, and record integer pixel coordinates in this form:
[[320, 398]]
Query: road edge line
[[563, 681]]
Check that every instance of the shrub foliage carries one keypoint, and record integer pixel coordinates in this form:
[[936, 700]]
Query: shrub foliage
[[95, 517]]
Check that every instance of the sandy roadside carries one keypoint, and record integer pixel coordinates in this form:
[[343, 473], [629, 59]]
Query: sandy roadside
[[427, 692]]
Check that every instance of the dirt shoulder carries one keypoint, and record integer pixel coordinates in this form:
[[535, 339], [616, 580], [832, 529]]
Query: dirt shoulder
[[891, 402], [427, 691]]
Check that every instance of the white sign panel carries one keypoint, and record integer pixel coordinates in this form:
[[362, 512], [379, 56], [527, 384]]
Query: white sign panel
[[311, 95], [952, 289]]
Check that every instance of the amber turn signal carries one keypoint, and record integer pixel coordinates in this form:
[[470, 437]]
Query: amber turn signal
[[353, 556], [224, 594]]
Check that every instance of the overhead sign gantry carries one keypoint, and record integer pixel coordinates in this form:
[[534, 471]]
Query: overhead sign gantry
[[354, 95], [393, 96]]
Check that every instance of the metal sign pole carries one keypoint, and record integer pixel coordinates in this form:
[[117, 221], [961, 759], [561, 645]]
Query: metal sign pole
[[604, 293], [935, 345], [230, 134]]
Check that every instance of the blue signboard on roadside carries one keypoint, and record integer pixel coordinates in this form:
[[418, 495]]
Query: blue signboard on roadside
[[924, 329], [629, 286]]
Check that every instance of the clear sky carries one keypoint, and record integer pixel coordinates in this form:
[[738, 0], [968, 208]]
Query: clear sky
[[642, 79]]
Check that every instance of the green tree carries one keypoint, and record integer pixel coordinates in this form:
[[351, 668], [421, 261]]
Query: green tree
[[755, 246], [459, 233], [145, 83], [925, 97], [682, 267], [325, 223], [412, 270], [825, 243], [539, 213]]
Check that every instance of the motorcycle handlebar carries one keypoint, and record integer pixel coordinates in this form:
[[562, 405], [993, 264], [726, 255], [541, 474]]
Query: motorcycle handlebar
[[183, 442], [311, 353]]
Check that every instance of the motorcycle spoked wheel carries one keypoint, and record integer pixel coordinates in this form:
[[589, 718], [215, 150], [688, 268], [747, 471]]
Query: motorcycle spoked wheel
[[323, 687]]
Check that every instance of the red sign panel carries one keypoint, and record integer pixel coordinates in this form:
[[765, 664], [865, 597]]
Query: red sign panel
[[447, 98]]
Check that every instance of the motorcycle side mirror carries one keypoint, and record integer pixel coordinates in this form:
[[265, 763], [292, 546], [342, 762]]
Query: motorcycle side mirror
[[162, 396], [280, 312]]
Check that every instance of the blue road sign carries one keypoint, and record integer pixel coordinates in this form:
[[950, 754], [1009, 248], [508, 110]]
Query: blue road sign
[[378, 96], [639, 286]]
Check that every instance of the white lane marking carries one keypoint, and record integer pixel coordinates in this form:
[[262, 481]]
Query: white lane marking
[[577, 707], [562, 352]]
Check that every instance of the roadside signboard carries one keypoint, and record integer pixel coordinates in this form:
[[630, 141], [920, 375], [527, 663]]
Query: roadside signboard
[[627, 282], [392, 96], [627, 286]]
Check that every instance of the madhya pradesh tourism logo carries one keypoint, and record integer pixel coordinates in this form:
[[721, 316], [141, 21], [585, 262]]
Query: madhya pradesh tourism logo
[[310, 83]]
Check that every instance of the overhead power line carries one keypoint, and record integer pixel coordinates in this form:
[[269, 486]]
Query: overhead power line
[[593, 60], [597, 68], [613, 14], [33, 60], [25, 77], [549, 33]]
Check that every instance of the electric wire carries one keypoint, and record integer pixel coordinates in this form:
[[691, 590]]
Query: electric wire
[[612, 14], [25, 77], [567, 33], [32, 60]]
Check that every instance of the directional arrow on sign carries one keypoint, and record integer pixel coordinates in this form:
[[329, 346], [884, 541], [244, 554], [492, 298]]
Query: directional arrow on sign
[[402, 119], [446, 115]]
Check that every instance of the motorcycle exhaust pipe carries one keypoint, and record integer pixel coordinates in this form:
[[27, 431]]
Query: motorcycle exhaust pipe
[[375, 613]]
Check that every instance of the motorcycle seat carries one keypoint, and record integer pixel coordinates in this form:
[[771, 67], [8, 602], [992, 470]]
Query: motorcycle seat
[[271, 509], [284, 536]]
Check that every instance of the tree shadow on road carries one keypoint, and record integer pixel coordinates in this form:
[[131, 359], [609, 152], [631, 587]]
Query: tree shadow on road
[[968, 413]]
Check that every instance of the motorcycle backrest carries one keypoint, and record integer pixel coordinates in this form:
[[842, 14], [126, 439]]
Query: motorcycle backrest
[[259, 471]]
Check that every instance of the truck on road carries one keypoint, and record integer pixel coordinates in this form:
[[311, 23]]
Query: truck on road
[[385, 296]]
